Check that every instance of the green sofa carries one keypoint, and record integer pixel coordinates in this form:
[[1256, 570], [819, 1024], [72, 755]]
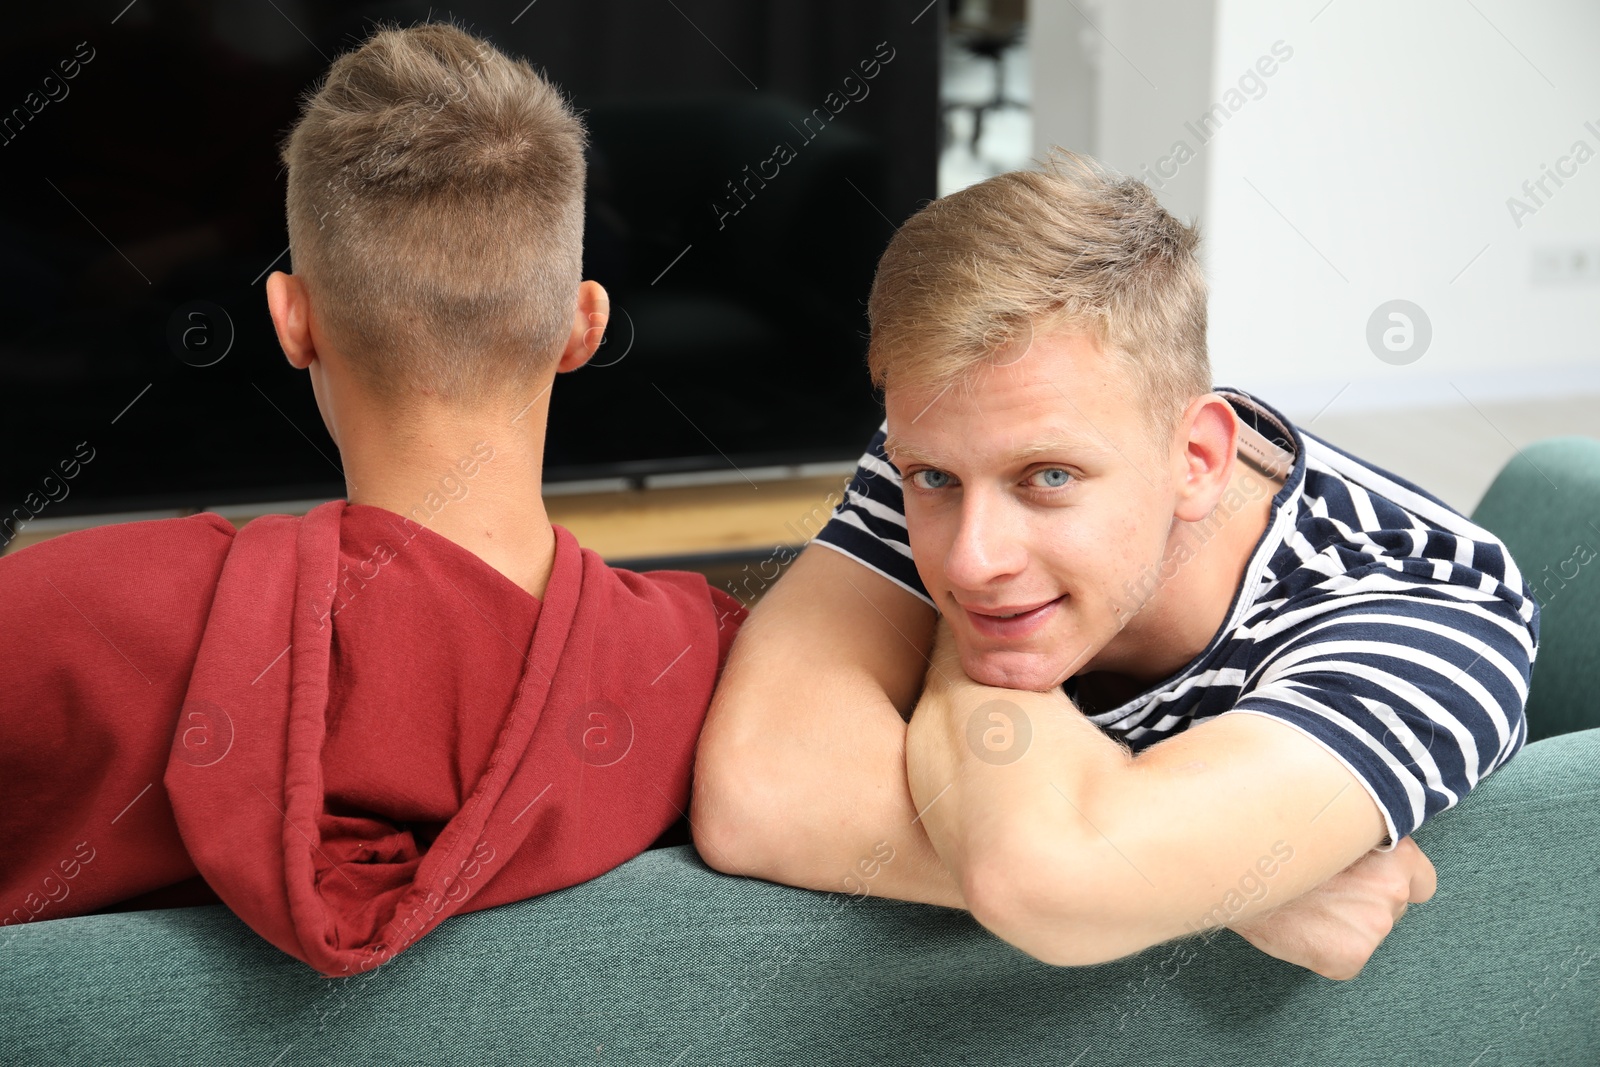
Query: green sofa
[[664, 961]]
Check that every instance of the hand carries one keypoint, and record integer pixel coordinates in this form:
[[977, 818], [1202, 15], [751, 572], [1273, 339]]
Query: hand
[[944, 660], [1335, 928]]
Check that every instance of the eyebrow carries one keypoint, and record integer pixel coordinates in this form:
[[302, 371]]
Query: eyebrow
[[1057, 441]]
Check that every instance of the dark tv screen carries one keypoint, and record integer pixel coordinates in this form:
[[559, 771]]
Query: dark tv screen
[[748, 163]]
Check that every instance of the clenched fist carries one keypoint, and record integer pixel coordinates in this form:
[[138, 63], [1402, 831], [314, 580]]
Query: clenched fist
[[1335, 928]]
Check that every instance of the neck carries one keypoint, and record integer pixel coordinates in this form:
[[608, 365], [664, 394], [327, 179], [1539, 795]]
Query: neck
[[472, 477], [1186, 611]]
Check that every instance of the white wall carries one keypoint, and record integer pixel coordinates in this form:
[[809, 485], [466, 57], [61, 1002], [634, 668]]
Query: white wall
[[1117, 79], [1391, 141], [1374, 163], [1064, 84]]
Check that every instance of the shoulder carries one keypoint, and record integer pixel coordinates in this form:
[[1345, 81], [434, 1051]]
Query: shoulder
[[1362, 531], [868, 524], [145, 588], [666, 601], [1371, 574], [660, 591], [157, 561], [1392, 600], [160, 548]]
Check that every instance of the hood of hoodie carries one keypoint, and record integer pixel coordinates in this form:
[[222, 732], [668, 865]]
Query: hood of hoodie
[[380, 730]]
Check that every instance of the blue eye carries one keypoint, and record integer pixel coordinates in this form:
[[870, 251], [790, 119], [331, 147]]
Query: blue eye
[[1054, 477], [930, 479]]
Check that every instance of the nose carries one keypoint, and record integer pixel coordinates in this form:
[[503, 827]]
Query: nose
[[988, 546]]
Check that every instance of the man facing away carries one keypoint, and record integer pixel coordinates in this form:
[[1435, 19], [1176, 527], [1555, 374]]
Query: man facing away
[[1170, 662], [424, 700]]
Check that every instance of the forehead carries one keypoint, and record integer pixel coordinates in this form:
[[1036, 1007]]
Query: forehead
[[1058, 390]]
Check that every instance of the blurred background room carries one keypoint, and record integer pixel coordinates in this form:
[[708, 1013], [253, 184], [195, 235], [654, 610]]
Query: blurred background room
[[1400, 207]]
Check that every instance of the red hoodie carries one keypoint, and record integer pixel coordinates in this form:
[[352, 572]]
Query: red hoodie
[[348, 726]]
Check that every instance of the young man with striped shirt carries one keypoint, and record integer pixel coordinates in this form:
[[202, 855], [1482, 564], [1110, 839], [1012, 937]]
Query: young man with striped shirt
[[1171, 663]]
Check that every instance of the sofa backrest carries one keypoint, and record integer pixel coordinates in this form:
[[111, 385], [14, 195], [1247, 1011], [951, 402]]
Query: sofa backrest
[[1545, 505], [665, 961]]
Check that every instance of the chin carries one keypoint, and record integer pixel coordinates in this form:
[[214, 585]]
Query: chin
[[1028, 671]]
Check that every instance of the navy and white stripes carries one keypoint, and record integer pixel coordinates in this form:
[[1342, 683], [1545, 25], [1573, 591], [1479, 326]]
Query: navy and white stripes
[[1372, 617]]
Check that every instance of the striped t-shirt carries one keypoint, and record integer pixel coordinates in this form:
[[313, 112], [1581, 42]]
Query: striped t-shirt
[[1372, 617]]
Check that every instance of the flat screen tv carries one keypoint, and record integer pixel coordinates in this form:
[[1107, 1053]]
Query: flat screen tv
[[749, 161]]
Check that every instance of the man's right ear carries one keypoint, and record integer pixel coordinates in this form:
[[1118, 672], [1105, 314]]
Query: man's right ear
[[290, 307], [588, 326]]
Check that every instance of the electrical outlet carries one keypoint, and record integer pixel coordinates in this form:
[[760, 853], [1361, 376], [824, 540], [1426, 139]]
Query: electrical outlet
[[1566, 264]]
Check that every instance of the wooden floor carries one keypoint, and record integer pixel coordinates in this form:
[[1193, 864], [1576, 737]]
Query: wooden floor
[[718, 530], [699, 520], [1455, 451]]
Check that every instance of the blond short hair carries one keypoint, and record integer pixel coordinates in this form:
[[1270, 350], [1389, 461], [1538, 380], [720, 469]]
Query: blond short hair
[[435, 211], [1074, 247]]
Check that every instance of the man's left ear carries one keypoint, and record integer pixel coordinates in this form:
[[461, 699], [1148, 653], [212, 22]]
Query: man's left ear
[[1210, 433], [290, 308], [588, 326]]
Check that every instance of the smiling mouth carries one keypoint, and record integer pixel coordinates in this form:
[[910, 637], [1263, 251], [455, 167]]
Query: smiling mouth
[[1011, 613], [1013, 621]]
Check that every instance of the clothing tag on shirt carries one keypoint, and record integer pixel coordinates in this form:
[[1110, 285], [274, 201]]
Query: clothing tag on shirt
[[1262, 456]]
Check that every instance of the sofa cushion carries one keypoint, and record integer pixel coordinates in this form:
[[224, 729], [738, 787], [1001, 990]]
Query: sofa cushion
[[1545, 505], [665, 961]]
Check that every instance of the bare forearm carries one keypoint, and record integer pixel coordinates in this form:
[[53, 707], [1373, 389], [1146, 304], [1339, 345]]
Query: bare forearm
[[823, 807], [801, 771], [1076, 852], [989, 773]]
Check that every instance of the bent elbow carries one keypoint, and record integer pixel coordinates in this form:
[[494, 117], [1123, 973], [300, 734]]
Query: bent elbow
[[1038, 905], [725, 813], [714, 835]]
